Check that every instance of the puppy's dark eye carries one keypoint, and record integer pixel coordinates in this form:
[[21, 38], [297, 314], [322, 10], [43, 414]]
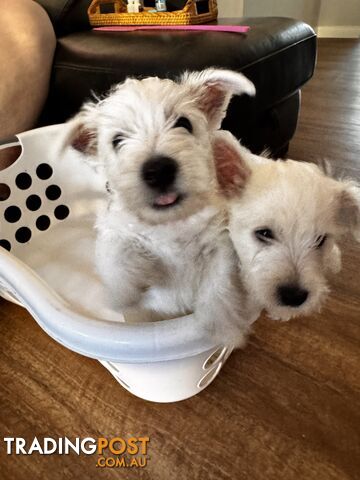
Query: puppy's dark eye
[[117, 141], [183, 122], [320, 241], [264, 235]]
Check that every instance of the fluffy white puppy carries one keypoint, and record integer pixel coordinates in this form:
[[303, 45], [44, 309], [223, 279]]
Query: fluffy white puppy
[[162, 243], [285, 218]]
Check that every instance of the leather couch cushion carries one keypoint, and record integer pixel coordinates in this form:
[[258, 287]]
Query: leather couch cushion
[[278, 55]]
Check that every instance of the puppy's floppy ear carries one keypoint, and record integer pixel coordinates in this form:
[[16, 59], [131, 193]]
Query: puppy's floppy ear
[[232, 170], [348, 211], [214, 89], [80, 132], [82, 137]]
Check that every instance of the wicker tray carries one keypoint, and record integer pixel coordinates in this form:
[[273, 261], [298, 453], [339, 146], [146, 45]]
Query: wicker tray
[[187, 16]]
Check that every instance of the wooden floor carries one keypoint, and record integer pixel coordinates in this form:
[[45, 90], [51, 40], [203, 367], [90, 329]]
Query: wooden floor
[[287, 407]]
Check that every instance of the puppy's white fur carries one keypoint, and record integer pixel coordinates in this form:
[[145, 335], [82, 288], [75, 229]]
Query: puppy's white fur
[[178, 259], [301, 206]]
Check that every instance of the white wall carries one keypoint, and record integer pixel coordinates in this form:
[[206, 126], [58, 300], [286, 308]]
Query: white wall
[[306, 10], [331, 18], [231, 8], [339, 18], [340, 12]]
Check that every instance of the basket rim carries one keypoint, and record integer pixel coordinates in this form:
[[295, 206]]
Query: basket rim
[[161, 341]]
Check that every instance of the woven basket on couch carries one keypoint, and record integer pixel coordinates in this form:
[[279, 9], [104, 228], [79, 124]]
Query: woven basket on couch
[[116, 14]]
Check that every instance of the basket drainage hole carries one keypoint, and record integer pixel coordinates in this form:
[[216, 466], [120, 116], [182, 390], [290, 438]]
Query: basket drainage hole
[[12, 214], [116, 374], [43, 223], [23, 181], [5, 244], [53, 192], [44, 171], [4, 192], [33, 203], [61, 212], [215, 357], [9, 155], [122, 383], [210, 376], [113, 367], [23, 234]]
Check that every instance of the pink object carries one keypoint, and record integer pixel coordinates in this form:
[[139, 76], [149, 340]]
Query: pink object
[[166, 199], [195, 28]]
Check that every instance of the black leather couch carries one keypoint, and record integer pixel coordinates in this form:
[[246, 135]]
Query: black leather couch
[[278, 55]]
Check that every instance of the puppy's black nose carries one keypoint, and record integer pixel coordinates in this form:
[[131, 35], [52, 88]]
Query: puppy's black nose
[[159, 172], [292, 296]]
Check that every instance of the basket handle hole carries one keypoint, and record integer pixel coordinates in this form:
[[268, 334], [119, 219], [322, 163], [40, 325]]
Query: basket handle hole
[[202, 6], [4, 192], [209, 376], [215, 357], [108, 7], [9, 155]]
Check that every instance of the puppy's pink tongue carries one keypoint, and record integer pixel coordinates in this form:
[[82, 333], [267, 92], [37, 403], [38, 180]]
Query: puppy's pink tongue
[[166, 199]]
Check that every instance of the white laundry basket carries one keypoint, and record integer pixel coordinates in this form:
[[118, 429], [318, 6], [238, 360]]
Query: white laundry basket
[[47, 209]]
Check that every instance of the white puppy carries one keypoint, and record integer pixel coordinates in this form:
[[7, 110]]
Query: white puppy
[[162, 243], [285, 218]]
